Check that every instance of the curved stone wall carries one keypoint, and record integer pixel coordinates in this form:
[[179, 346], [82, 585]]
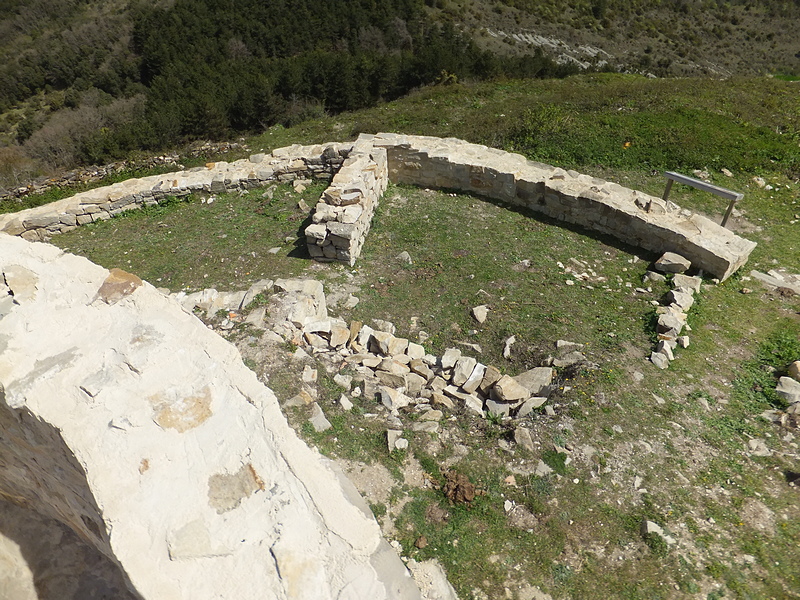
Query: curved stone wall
[[169, 458], [631, 216], [341, 220]]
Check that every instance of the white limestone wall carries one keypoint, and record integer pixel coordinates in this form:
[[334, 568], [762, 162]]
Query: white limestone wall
[[283, 164], [629, 215], [342, 218], [170, 458]]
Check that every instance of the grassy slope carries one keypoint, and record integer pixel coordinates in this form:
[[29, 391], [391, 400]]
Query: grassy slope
[[735, 518]]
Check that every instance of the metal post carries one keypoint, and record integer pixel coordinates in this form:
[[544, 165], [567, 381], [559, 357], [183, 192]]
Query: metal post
[[666, 191], [730, 210]]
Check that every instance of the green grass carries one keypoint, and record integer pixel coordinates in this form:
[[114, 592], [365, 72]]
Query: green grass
[[585, 540]]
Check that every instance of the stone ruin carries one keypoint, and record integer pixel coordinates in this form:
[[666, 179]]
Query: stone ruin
[[170, 459], [360, 171]]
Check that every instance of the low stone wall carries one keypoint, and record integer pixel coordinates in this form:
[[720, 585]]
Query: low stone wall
[[283, 164], [166, 456], [631, 216], [342, 217]]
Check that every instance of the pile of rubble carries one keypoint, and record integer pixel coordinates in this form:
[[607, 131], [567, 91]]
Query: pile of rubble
[[372, 362], [672, 315]]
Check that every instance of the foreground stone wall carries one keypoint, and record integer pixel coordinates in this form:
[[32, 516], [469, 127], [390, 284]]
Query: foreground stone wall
[[342, 219], [282, 165], [169, 458], [631, 216]]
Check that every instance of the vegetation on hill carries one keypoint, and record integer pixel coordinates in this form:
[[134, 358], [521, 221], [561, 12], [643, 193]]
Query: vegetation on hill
[[684, 448], [85, 81]]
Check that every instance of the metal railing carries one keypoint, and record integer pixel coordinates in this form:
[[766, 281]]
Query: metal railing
[[734, 197]]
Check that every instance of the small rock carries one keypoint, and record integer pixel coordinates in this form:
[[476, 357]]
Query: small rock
[[535, 380], [550, 411], [343, 380], [393, 436], [404, 257], [498, 409], [794, 370], [318, 420], [510, 390], [653, 276], [530, 405], [788, 389], [450, 358], [480, 313], [686, 282], [393, 399], [303, 398], [542, 470], [351, 302], [345, 403], [726, 172], [672, 263], [309, 375], [522, 436], [507, 347], [758, 447], [659, 360], [663, 347], [422, 542], [650, 528], [683, 341]]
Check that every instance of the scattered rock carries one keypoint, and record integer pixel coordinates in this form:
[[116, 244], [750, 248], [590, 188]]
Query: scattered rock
[[542, 470], [649, 528], [318, 420], [404, 257], [794, 370], [345, 403], [522, 436], [673, 263], [758, 447], [507, 348], [480, 313]]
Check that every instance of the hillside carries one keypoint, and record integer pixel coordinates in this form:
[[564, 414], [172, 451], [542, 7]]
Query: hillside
[[85, 82], [692, 449]]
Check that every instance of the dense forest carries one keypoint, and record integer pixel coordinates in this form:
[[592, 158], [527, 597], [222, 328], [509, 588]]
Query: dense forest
[[86, 81], [209, 68]]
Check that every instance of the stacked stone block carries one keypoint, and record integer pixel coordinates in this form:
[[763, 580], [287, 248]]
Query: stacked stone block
[[342, 217], [282, 165]]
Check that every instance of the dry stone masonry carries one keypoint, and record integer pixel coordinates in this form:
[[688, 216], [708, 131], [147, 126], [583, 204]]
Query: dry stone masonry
[[342, 220], [168, 456], [342, 217], [282, 165], [598, 205]]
